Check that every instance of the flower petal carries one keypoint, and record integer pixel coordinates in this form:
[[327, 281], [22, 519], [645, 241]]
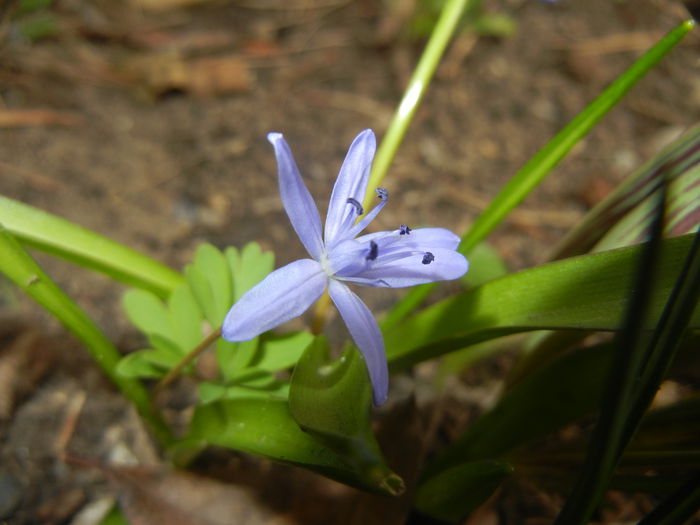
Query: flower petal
[[351, 183], [426, 238], [411, 271], [365, 332], [283, 295], [299, 205]]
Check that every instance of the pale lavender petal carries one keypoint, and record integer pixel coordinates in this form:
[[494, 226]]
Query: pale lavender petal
[[423, 237], [300, 207], [351, 183], [365, 332], [284, 294], [410, 270]]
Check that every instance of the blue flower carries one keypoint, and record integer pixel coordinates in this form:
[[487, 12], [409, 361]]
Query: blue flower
[[394, 259]]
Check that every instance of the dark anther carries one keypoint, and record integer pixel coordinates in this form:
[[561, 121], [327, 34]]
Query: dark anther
[[382, 193], [373, 251], [404, 230], [356, 205], [428, 258]]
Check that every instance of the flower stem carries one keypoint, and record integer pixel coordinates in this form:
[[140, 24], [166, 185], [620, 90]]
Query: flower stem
[[318, 320], [449, 18], [191, 356]]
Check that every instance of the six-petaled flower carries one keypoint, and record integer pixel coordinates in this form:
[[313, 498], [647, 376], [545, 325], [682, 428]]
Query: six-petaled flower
[[397, 258]]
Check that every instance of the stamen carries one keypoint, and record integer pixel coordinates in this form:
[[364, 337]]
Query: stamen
[[428, 258], [373, 251], [356, 205], [404, 230], [382, 193]]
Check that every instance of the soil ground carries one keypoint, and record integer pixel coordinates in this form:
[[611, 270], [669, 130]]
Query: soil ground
[[145, 121]]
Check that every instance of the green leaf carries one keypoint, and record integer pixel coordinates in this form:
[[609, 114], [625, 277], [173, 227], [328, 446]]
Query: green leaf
[[248, 267], [39, 26], [213, 266], [331, 401], [582, 293], [139, 364], [609, 436], [114, 517], [676, 164], [62, 238], [683, 212], [264, 387], [185, 318], [233, 358], [21, 269], [280, 351], [266, 428], [556, 394], [530, 175], [198, 281], [459, 490], [485, 264], [146, 312], [679, 507]]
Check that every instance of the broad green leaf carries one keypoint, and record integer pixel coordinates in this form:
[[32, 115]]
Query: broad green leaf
[[185, 318], [210, 392], [202, 292], [248, 267], [139, 364], [62, 238], [151, 362], [582, 293], [331, 401], [459, 490], [265, 427], [233, 358], [212, 264], [485, 264], [280, 351], [556, 394], [169, 349], [21, 269], [146, 312]]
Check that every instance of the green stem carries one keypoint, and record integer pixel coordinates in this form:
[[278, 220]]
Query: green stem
[[20, 268], [449, 18]]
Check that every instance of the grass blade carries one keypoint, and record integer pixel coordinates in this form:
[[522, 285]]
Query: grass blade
[[417, 85], [57, 236], [678, 507], [536, 299], [546, 159], [677, 164], [611, 432], [18, 265]]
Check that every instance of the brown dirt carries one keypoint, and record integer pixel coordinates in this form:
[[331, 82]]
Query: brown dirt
[[151, 131]]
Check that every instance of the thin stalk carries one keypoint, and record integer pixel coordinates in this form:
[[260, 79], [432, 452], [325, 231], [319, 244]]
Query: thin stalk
[[442, 33], [189, 357]]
